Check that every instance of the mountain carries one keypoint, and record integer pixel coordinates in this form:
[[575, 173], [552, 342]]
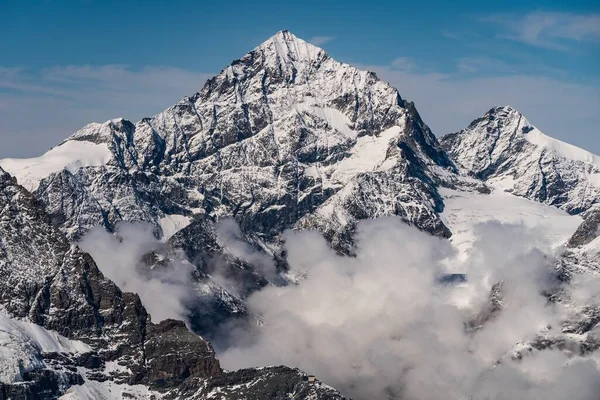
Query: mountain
[[503, 149], [284, 134], [64, 327]]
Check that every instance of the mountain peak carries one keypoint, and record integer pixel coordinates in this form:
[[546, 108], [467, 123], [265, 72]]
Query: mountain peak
[[503, 112], [506, 108], [506, 120], [285, 47], [284, 34]]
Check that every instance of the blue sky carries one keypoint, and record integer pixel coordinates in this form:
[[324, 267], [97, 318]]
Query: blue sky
[[66, 63]]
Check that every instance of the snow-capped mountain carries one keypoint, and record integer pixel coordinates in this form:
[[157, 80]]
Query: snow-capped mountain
[[505, 150], [283, 136], [516, 159]]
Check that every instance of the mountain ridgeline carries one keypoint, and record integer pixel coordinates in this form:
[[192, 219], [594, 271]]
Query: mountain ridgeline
[[283, 138]]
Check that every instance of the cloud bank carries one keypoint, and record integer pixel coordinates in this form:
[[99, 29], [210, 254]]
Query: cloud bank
[[378, 326]]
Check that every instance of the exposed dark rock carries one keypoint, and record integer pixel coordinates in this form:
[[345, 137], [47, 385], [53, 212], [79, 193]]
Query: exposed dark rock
[[588, 230]]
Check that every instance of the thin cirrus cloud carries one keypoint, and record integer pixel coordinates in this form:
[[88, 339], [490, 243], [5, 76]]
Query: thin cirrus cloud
[[549, 30], [320, 40], [485, 64], [39, 108], [403, 63]]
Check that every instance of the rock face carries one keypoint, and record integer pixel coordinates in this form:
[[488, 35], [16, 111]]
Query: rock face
[[53, 284], [277, 383], [505, 150], [582, 253]]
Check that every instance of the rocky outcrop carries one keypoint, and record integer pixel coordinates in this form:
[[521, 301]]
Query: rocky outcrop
[[174, 354], [57, 286], [277, 383]]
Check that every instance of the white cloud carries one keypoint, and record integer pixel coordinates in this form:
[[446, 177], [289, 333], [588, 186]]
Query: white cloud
[[378, 326], [483, 64], [403, 64], [166, 291], [234, 242], [320, 40], [450, 35], [551, 30]]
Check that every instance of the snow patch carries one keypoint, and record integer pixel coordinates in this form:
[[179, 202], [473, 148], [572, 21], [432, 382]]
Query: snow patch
[[335, 118], [171, 224], [463, 210], [108, 390], [70, 155], [21, 344], [367, 155], [566, 150]]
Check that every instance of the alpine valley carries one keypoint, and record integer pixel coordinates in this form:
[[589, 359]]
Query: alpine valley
[[284, 138]]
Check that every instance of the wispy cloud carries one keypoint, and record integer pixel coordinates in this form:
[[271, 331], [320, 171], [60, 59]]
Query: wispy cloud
[[320, 40], [42, 107], [550, 30], [483, 64], [404, 64], [450, 35], [38, 109]]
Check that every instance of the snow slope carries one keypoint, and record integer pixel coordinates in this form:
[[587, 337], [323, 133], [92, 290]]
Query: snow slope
[[566, 150], [464, 210], [21, 345], [108, 390], [171, 224], [70, 155]]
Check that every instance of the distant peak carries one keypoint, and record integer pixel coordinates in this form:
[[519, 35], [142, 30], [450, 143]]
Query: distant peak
[[507, 121], [282, 37]]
